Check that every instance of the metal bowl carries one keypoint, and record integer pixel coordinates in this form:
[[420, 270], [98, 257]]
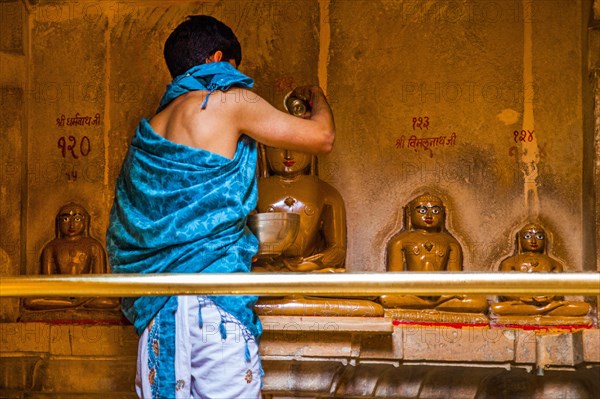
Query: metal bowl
[[275, 231]]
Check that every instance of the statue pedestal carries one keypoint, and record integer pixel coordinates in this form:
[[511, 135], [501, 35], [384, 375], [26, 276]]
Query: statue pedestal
[[558, 322], [436, 316], [314, 306]]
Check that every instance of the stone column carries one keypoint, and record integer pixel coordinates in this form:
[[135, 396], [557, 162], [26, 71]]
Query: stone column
[[594, 65], [13, 127]]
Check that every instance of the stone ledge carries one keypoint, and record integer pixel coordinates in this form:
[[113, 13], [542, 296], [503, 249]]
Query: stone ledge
[[591, 345], [369, 339], [330, 380], [479, 346], [24, 337], [6, 394], [76, 340], [17, 370], [326, 357], [88, 374]]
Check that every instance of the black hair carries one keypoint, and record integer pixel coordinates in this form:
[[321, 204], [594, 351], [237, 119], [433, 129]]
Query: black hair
[[196, 39]]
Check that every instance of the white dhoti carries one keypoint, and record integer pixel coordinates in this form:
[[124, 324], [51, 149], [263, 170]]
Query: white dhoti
[[206, 365]]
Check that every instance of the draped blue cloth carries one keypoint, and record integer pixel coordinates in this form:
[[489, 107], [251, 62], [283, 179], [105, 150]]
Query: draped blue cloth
[[211, 77], [179, 209]]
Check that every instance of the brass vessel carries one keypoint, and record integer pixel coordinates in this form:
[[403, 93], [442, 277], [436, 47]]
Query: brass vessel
[[275, 231]]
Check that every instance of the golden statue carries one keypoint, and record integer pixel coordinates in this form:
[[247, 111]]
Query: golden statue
[[425, 246], [320, 245], [73, 251], [532, 257]]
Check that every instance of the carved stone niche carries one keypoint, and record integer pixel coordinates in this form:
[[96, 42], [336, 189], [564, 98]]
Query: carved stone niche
[[532, 256], [425, 245], [289, 184], [72, 252]]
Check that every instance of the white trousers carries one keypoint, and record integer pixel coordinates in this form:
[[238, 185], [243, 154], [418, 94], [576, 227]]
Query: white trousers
[[206, 366]]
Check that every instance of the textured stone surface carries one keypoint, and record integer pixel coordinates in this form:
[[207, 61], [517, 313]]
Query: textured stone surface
[[450, 344], [39, 360], [359, 381], [25, 337], [295, 344], [594, 73], [87, 395], [382, 346], [93, 340], [17, 371], [68, 72], [560, 349], [85, 374], [462, 65], [440, 382], [553, 384], [12, 29], [315, 378], [12, 123], [525, 346], [591, 345], [402, 382]]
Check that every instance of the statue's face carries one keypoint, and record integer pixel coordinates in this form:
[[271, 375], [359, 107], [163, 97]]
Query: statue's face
[[427, 213], [532, 239], [285, 162], [71, 222]]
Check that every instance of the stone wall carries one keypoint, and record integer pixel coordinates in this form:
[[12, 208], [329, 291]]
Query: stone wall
[[105, 58], [14, 68], [594, 71], [482, 70]]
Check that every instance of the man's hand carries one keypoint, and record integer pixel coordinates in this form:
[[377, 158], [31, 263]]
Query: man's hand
[[313, 96]]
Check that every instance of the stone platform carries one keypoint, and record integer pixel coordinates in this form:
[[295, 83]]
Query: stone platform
[[322, 357]]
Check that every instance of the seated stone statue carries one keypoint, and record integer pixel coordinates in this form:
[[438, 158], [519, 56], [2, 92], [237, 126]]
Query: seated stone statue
[[425, 246], [532, 257], [290, 184], [321, 241], [72, 252]]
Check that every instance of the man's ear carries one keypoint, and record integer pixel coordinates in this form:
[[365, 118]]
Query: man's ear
[[217, 56]]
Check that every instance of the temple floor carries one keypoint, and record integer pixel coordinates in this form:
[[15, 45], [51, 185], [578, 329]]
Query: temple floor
[[322, 357]]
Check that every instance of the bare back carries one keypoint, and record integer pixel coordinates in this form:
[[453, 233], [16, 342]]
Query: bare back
[[229, 114], [184, 122]]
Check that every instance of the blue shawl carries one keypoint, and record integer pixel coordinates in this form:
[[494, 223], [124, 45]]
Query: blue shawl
[[179, 209]]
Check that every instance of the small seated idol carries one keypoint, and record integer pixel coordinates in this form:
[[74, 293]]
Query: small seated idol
[[425, 246], [532, 257], [73, 251], [320, 245]]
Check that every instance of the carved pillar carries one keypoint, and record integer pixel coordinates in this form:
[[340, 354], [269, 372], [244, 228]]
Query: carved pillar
[[13, 124], [594, 64]]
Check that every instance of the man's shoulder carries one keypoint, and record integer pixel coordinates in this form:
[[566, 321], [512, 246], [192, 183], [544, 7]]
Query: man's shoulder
[[202, 102], [236, 97]]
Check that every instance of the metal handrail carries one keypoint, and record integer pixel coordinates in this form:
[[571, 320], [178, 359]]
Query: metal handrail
[[279, 284]]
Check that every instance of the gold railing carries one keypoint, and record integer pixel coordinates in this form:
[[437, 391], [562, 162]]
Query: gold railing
[[275, 284]]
